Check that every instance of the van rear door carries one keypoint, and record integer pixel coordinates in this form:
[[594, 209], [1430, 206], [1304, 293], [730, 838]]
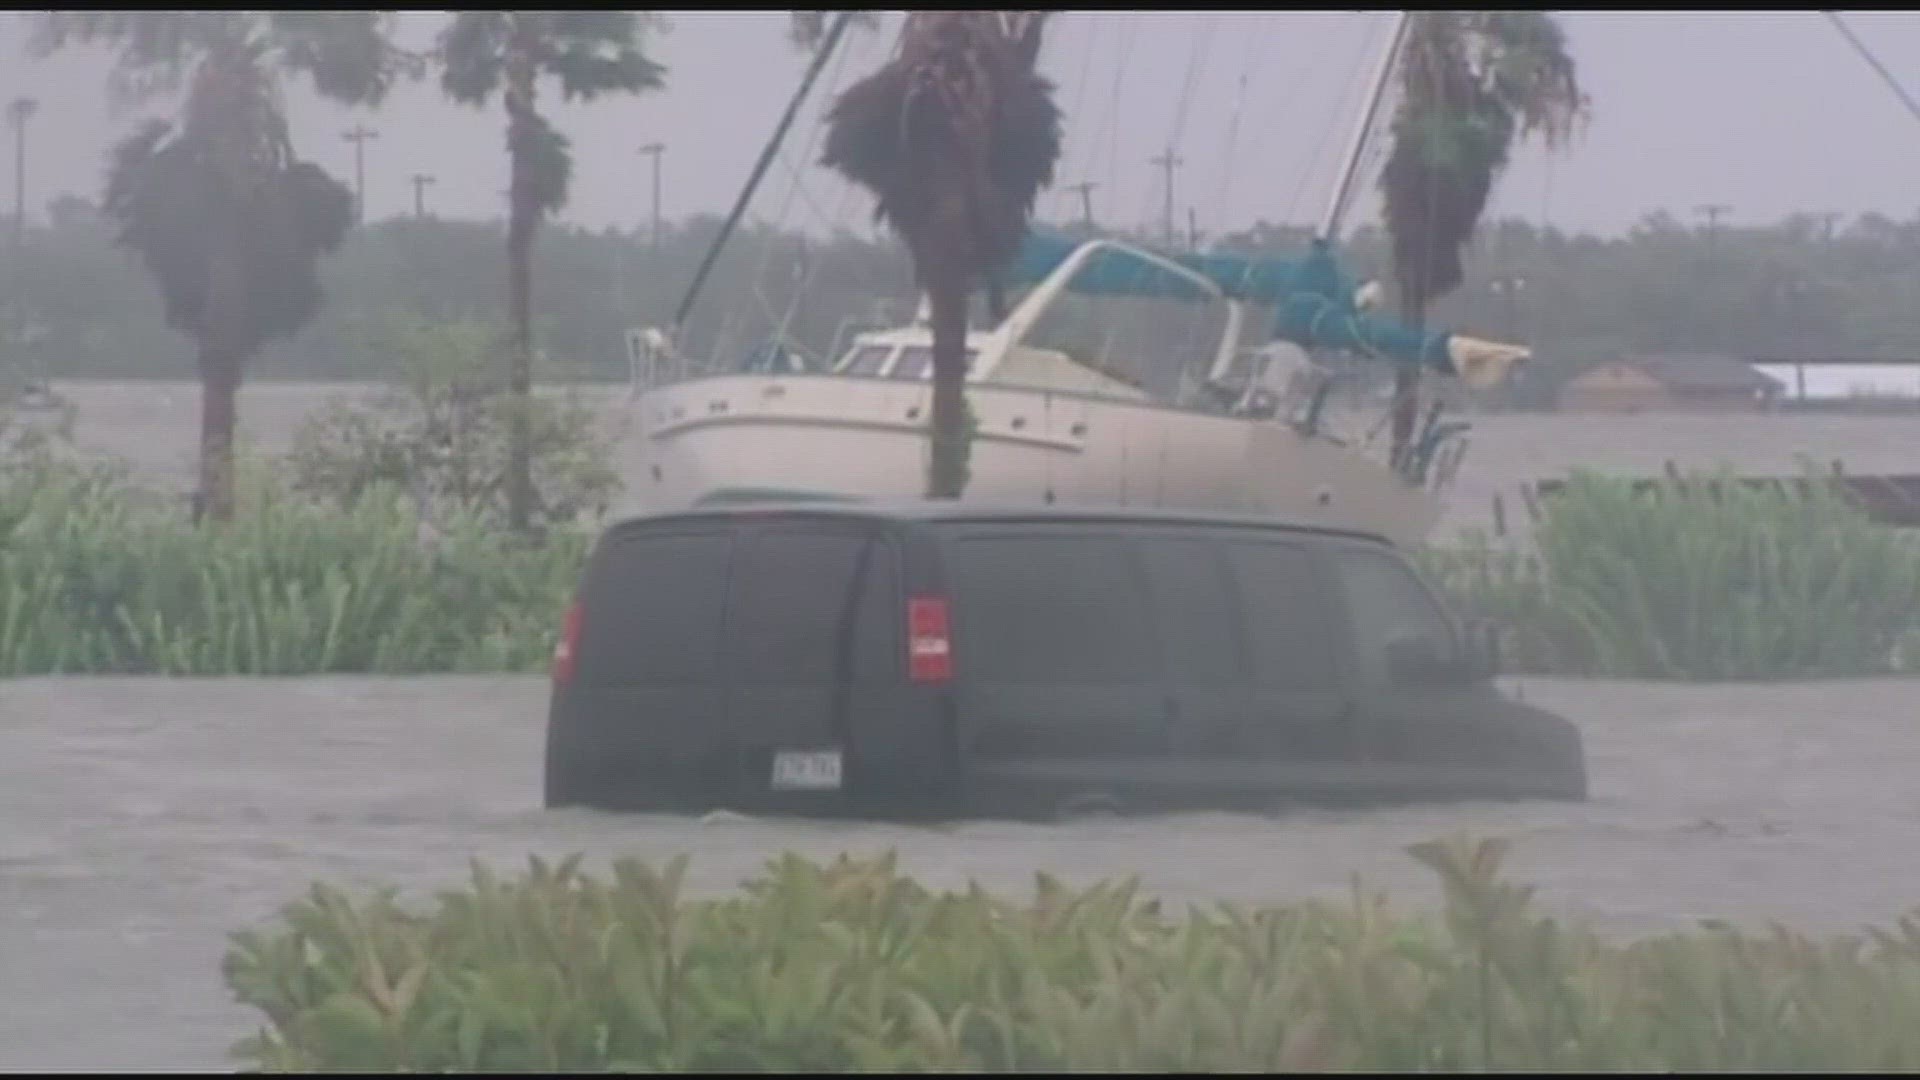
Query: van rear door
[[1057, 675], [811, 650], [646, 688]]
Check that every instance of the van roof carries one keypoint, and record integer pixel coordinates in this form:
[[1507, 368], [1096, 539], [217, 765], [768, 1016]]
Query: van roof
[[969, 510]]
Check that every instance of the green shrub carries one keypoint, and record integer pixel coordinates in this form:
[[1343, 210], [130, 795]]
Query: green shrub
[[440, 430], [96, 578], [851, 967], [1701, 578]]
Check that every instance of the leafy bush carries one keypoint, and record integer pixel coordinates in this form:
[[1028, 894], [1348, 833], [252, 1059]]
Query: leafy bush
[[1699, 577], [441, 433], [851, 967], [96, 578]]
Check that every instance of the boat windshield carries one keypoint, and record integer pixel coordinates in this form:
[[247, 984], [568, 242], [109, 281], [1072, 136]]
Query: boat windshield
[[916, 362], [867, 360]]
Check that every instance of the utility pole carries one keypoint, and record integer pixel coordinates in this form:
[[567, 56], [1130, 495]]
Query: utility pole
[[1167, 162], [1193, 230], [19, 111], [1713, 212], [358, 136], [654, 150], [1826, 222], [420, 181], [1085, 190]]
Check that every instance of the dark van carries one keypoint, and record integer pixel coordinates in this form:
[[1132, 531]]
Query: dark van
[[950, 658]]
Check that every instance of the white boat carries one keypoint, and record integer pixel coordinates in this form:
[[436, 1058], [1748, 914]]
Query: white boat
[[1215, 420]]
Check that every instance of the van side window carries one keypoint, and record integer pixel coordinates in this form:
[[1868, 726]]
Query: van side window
[[1289, 636], [652, 610], [1387, 600], [1193, 611], [793, 594], [1060, 609]]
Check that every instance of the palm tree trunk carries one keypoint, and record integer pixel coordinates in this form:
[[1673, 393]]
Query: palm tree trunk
[[522, 219], [219, 413], [520, 370], [220, 361], [947, 419], [1406, 394]]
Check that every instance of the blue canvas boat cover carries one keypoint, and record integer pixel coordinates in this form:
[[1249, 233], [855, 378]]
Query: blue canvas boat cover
[[1313, 297]]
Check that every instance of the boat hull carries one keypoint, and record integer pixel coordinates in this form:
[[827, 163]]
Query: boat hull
[[867, 437]]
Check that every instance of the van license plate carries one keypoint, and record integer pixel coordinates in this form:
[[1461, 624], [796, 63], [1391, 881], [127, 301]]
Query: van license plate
[[806, 770]]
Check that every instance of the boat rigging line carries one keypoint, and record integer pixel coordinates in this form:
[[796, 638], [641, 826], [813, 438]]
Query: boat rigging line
[[767, 154], [1860, 49]]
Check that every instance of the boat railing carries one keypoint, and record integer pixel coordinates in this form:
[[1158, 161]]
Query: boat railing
[[652, 361]]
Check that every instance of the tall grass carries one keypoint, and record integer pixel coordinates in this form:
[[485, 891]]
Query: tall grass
[[1699, 577], [96, 578]]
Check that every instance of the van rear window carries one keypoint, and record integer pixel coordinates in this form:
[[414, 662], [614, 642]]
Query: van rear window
[[652, 610], [797, 591], [1051, 609]]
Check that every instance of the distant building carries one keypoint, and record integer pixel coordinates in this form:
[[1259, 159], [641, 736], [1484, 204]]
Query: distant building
[[1842, 382], [1683, 382]]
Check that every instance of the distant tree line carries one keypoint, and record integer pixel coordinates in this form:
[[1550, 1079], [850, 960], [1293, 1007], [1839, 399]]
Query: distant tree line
[[79, 307]]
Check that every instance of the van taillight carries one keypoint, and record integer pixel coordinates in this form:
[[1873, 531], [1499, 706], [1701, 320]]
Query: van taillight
[[564, 650], [929, 640]]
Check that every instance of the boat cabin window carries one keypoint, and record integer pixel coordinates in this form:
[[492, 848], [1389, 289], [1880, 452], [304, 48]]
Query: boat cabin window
[[916, 362], [867, 360]]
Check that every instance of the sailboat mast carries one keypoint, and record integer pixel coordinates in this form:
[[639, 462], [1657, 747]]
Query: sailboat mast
[[1356, 147], [760, 167]]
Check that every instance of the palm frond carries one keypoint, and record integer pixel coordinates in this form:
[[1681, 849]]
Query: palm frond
[[956, 137], [472, 55], [349, 55], [1472, 83], [541, 161]]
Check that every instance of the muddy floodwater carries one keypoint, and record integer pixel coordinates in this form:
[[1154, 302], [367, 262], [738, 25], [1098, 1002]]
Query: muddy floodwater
[[141, 820]]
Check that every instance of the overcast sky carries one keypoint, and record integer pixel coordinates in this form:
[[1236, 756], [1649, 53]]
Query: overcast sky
[[1768, 112]]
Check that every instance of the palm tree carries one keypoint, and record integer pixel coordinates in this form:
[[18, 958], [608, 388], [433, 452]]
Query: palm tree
[[956, 137], [1472, 83], [591, 53], [230, 223]]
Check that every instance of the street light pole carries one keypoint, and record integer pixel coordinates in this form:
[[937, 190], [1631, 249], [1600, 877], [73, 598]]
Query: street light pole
[[19, 111], [358, 136], [1168, 162], [654, 150], [420, 182]]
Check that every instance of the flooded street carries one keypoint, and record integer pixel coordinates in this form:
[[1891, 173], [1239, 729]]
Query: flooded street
[[141, 820]]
